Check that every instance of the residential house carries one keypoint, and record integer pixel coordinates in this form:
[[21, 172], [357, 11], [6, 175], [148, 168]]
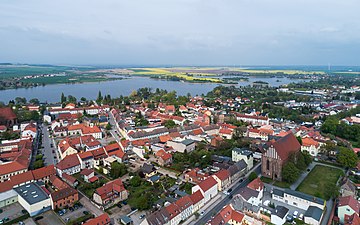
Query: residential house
[[347, 206], [70, 165], [348, 189], [186, 145], [163, 158], [197, 199], [313, 215], [278, 216], [87, 174], [111, 193], [103, 219], [64, 198], [310, 146], [208, 188], [228, 215], [223, 179], [148, 170], [238, 154]]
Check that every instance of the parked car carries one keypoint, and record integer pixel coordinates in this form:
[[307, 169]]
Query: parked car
[[142, 216], [295, 214], [202, 213], [86, 212], [301, 217]]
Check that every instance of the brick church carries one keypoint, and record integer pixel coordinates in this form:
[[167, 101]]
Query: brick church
[[277, 155]]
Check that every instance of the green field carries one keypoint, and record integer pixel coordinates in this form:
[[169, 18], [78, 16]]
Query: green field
[[319, 181]]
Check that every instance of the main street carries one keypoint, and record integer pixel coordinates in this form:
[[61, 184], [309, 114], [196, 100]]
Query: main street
[[50, 153], [236, 190]]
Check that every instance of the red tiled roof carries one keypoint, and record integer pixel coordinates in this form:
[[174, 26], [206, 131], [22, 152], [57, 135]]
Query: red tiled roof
[[68, 162], [22, 178], [58, 183], [7, 113], [349, 201], [44, 172], [102, 219], [63, 194], [286, 145], [165, 138], [11, 167], [225, 215], [207, 184], [222, 174], [196, 197], [93, 179], [70, 179], [256, 184], [115, 185], [86, 172], [309, 142]]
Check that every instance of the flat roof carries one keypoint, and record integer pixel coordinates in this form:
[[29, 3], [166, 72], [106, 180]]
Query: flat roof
[[7, 194], [32, 193]]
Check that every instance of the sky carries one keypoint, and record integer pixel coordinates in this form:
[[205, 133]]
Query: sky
[[180, 32]]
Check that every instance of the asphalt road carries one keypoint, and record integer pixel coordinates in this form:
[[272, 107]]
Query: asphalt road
[[225, 201], [47, 150]]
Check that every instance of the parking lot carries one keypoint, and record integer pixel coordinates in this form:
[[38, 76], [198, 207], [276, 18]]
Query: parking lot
[[48, 218], [12, 211], [292, 209], [73, 213]]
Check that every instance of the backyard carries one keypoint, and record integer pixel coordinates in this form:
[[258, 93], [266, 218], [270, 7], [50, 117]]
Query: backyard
[[321, 182]]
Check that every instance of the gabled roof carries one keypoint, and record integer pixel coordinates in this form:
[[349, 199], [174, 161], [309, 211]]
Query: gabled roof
[[196, 197], [222, 174], [100, 220], [349, 201], [256, 184], [314, 212], [68, 162], [44, 172], [207, 184], [225, 215], [22, 178], [63, 194]]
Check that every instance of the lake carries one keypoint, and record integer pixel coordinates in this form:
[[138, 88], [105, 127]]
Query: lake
[[52, 93]]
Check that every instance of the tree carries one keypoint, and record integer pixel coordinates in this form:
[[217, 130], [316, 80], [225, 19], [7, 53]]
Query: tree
[[290, 172], [135, 181], [170, 124], [117, 170], [34, 101], [347, 157], [63, 98], [38, 164], [299, 139], [108, 126], [252, 176], [99, 98]]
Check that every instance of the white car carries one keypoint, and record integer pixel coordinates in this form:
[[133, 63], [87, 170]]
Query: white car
[[301, 216], [226, 193], [295, 214], [202, 213], [266, 203]]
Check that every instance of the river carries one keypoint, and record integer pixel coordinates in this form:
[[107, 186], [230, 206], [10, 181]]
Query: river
[[52, 93]]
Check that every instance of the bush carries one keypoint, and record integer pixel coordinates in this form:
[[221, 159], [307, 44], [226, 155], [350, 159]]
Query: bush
[[252, 176]]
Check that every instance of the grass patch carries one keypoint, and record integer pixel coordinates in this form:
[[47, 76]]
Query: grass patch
[[319, 180], [282, 184], [266, 180], [80, 220]]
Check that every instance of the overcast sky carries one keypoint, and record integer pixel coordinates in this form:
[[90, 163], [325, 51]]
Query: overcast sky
[[187, 32]]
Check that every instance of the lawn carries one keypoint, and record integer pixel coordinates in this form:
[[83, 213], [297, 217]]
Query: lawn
[[320, 180]]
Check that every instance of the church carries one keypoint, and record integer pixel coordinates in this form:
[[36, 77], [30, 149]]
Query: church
[[277, 155]]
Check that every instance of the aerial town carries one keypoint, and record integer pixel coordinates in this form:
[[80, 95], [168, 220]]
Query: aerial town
[[238, 155]]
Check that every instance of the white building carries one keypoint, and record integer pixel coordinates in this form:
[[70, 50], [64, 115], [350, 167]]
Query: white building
[[313, 216], [186, 145], [278, 217], [238, 154], [297, 199], [208, 188], [33, 198]]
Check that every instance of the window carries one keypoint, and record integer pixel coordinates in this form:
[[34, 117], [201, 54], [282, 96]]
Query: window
[[267, 165], [294, 203]]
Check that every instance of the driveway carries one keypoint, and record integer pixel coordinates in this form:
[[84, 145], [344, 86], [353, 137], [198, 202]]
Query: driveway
[[90, 206]]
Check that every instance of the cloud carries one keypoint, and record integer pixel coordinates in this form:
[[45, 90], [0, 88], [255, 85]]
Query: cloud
[[180, 31]]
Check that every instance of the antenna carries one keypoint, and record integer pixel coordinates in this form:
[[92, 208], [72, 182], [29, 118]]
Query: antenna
[[329, 66]]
